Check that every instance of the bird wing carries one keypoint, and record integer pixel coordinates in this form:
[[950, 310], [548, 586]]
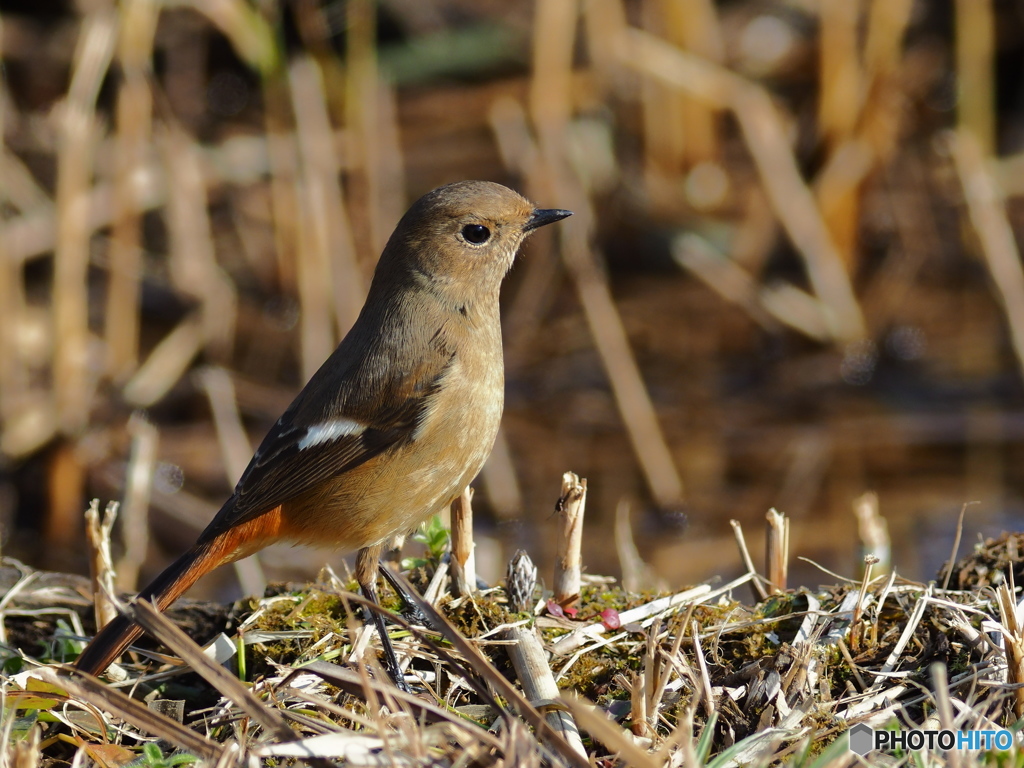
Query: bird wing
[[311, 444]]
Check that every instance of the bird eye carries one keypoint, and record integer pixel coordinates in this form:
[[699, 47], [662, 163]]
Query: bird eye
[[477, 234]]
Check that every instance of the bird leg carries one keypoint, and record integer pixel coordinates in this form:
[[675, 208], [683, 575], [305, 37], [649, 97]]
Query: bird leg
[[366, 575], [410, 610]]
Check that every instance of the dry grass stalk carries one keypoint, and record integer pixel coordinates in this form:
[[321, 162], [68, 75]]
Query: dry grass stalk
[[463, 561], [14, 176], [606, 328], [362, 118], [905, 637], [283, 161], [234, 442], [888, 21], [35, 232], [250, 34], [65, 488], [166, 364], [101, 562], [193, 261], [840, 88], [569, 546], [865, 105], [134, 129], [856, 629], [227, 684], [327, 211], [135, 509], [940, 688], [236, 450], [636, 574], [987, 211], [873, 529], [1013, 643], [79, 133], [768, 305], [838, 190], [975, 72], [702, 667], [485, 671], [766, 138], [88, 689], [956, 544], [608, 732], [777, 550], [694, 25], [578, 637], [533, 670], [538, 287], [723, 275], [330, 291], [741, 542], [538, 164], [550, 109], [554, 30]]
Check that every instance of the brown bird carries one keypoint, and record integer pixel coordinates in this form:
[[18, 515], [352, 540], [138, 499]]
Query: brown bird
[[397, 421]]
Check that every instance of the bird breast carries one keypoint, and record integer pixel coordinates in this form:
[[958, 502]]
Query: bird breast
[[396, 491]]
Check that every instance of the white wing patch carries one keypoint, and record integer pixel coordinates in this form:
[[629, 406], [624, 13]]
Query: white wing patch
[[330, 430]]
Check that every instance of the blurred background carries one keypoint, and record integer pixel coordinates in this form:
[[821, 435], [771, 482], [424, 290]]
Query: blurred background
[[792, 279]]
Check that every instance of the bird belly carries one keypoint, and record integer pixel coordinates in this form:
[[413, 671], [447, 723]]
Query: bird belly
[[396, 491]]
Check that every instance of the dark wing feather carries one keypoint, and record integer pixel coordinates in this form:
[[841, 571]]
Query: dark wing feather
[[281, 471]]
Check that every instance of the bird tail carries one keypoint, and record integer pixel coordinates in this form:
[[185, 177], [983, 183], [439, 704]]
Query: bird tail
[[112, 640]]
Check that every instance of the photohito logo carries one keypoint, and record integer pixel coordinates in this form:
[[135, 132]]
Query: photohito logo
[[864, 739]]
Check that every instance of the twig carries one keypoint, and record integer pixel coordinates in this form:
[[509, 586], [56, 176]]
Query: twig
[[568, 554], [777, 550], [1013, 643], [755, 583], [97, 534], [534, 672], [956, 543]]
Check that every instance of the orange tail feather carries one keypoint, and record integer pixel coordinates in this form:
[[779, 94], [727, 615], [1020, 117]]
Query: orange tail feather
[[111, 641], [235, 542]]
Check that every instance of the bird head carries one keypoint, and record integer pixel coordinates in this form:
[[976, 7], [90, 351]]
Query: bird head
[[464, 236]]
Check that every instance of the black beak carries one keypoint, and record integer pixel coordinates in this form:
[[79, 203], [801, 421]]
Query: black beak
[[542, 216]]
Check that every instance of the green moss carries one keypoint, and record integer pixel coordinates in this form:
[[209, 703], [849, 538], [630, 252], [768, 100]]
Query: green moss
[[473, 617]]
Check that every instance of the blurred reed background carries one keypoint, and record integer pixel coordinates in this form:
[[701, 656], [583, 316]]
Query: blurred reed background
[[792, 278]]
